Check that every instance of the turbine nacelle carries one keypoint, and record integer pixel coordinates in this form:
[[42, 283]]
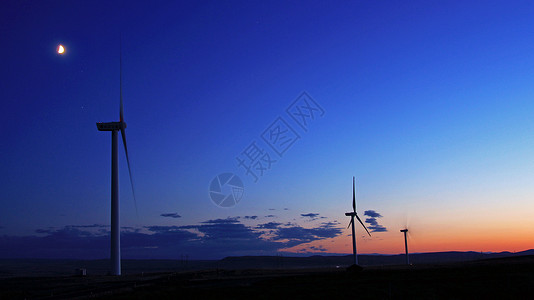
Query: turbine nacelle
[[110, 126], [404, 230], [350, 214]]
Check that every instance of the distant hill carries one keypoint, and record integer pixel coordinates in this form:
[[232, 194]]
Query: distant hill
[[242, 262], [58, 267]]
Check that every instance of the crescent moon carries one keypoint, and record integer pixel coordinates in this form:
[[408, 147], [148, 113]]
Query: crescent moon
[[60, 49]]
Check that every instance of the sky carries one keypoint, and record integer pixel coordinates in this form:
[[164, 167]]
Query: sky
[[428, 104]]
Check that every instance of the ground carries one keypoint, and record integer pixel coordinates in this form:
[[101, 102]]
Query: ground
[[509, 278]]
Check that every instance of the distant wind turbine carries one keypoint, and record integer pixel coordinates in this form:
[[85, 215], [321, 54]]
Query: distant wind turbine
[[405, 231], [114, 127], [353, 214]]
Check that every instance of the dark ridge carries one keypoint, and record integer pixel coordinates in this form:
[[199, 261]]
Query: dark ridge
[[66, 267]]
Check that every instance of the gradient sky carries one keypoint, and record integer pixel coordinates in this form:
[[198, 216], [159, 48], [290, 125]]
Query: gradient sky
[[427, 103]]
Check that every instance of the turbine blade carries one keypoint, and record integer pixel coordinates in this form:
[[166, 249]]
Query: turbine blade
[[120, 81], [350, 223], [353, 194], [363, 225], [123, 133]]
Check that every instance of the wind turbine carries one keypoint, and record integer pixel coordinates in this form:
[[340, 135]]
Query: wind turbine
[[114, 127], [353, 214], [405, 231]]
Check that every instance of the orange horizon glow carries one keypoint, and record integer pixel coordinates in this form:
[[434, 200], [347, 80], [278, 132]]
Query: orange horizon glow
[[392, 242]]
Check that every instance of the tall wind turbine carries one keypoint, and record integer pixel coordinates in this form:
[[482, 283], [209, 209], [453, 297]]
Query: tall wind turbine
[[405, 231], [114, 127], [353, 214]]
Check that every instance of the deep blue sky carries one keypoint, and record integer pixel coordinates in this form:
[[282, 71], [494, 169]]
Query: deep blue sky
[[428, 103]]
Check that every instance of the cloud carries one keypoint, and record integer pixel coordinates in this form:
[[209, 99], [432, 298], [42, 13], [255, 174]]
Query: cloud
[[215, 240], [223, 221], [210, 239], [67, 242], [372, 214], [378, 228], [89, 226], [330, 224], [318, 248], [251, 217], [270, 216], [305, 235], [163, 229], [375, 227], [312, 216], [171, 215], [270, 225], [221, 229], [371, 221]]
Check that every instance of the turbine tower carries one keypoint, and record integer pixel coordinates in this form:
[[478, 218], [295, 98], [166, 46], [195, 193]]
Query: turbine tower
[[114, 127], [405, 231], [353, 214]]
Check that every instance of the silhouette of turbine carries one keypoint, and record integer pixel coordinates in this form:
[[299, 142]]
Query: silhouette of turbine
[[405, 231], [352, 215], [114, 127]]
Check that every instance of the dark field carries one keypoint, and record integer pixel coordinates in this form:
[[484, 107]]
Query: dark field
[[503, 278]]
